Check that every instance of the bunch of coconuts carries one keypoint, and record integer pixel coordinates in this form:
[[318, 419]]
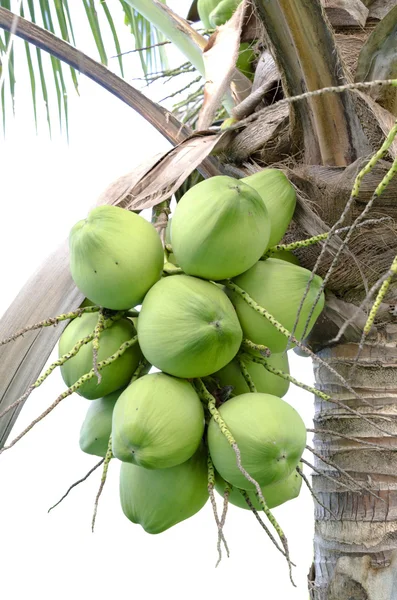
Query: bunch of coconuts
[[200, 335]]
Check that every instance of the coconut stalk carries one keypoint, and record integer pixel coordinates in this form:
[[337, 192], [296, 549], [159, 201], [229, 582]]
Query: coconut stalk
[[328, 125]]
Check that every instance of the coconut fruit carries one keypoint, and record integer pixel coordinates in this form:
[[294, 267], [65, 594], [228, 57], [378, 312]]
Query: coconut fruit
[[270, 434], [115, 257], [279, 197], [188, 327], [157, 499], [223, 12], [264, 381], [115, 375], [278, 286], [219, 229], [245, 60], [158, 422], [97, 425], [274, 494], [286, 255], [204, 9]]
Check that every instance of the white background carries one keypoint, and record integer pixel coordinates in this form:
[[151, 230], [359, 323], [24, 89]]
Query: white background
[[46, 186]]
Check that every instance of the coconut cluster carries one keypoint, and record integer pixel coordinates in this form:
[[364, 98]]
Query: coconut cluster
[[213, 392]]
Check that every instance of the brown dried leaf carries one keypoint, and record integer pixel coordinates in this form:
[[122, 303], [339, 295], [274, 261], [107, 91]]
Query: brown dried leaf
[[49, 292], [220, 57], [345, 13], [166, 174]]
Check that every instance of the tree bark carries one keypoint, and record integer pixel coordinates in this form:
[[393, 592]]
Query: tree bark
[[355, 549]]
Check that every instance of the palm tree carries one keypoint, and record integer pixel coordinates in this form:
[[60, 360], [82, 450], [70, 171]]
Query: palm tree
[[323, 142]]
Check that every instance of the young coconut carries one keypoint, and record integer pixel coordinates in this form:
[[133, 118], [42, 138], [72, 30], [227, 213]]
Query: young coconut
[[115, 257], [204, 9], [220, 228], [270, 434], [188, 327], [157, 499], [274, 494], [286, 255], [279, 197], [97, 425], [115, 375], [158, 422], [264, 381], [223, 12], [245, 60], [278, 286]]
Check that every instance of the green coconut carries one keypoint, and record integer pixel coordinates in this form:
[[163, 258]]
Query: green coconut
[[115, 257], [279, 197], [245, 60], [115, 375], [270, 434], [157, 499], [278, 286], [167, 238], [97, 425], [158, 422], [204, 9], [264, 381], [286, 255], [188, 327], [220, 228], [274, 494], [223, 12]]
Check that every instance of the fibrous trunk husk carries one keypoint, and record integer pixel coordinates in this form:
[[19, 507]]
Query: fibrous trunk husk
[[373, 247], [356, 551]]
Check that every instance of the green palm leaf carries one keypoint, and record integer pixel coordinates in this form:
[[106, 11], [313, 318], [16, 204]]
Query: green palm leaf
[[58, 16]]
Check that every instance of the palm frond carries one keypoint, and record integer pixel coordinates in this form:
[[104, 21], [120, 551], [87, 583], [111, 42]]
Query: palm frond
[[153, 56], [58, 17]]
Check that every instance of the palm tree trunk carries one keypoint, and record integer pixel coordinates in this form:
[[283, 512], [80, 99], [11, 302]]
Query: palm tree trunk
[[355, 549]]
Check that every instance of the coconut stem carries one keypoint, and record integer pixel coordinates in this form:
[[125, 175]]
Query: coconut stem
[[76, 483], [249, 345], [73, 388], [331, 433], [373, 312], [108, 458], [280, 328], [263, 525], [333, 479], [58, 363], [381, 294], [221, 536], [332, 464], [211, 485], [248, 379], [318, 238], [95, 344], [171, 269], [228, 435], [305, 479], [354, 195], [316, 392], [50, 322], [139, 370]]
